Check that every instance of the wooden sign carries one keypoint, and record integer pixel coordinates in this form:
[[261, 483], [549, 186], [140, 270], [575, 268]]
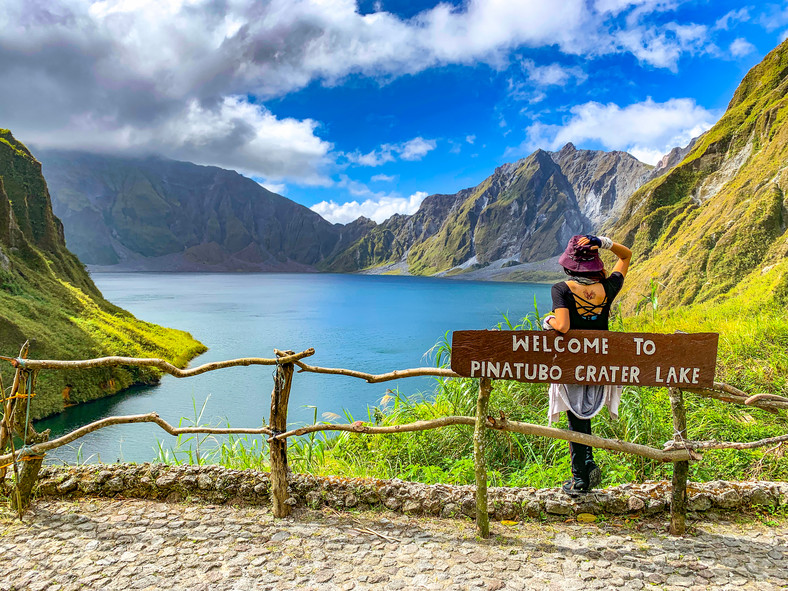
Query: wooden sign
[[587, 357]]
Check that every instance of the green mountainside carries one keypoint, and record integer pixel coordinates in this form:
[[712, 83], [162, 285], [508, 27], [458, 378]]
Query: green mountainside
[[163, 215], [526, 211], [717, 221], [46, 296], [524, 214], [166, 215]]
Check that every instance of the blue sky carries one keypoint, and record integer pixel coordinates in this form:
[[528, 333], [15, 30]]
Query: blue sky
[[366, 107]]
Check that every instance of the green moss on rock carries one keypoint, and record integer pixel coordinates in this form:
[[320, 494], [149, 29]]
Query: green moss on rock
[[47, 296], [717, 217]]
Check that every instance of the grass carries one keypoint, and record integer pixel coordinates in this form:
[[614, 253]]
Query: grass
[[752, 357], [47, 297]]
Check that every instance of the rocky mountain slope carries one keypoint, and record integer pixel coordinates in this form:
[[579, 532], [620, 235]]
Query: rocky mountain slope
[[46, 296], [162, 215], [715, 225], [526, 211], [157, 214]]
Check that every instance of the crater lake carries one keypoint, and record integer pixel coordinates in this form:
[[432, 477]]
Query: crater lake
[[370, 323]]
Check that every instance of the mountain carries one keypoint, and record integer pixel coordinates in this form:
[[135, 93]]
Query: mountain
[[526, 211], [601, 181], [163, 215], [715, 225], [158, 214], [46, 296]]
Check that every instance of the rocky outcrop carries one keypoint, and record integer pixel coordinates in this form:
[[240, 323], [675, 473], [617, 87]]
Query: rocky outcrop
[[525, 212], [47, 297], [717, 221], [671, 159], [602, 181], [215, 484]]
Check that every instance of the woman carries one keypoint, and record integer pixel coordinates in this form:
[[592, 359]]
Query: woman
[[583, 302]]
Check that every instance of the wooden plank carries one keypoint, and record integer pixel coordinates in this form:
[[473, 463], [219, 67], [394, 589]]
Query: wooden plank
[[587, 357]]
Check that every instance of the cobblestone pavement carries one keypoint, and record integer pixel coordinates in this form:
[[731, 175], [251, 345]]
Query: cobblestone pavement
[[136, 544]]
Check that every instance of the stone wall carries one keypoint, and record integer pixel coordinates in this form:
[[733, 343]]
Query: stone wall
[[214, 484]]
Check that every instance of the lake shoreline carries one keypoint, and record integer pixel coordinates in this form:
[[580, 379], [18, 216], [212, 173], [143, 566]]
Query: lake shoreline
[[373, 324]]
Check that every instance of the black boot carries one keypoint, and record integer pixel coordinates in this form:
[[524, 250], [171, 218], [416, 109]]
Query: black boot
[[575, 487]]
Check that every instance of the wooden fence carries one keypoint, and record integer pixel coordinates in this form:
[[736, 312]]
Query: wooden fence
[[26, 462]]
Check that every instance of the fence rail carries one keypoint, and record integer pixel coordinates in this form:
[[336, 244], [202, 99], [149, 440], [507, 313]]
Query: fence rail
[[680, 451]]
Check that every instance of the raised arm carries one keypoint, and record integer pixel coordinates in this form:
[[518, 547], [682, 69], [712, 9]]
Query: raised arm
[[624, 256], [622, 252]]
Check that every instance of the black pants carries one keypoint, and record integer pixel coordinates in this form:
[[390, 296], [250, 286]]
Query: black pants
[[582, 455]]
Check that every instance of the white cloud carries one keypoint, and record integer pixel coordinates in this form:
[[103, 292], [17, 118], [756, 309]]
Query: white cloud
[[233, 134], [784, 36], [732, 18], [650, 155], [741, 47], [123, 73], [279, 188], [773, 17], [617, 6], [383, 178], [414, 149], [470, 138], [378, 208], [648, 128], [552, 74], [373, 158], [663, 46]]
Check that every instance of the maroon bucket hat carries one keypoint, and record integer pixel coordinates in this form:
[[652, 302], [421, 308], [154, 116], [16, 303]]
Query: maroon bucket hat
[[580, 259]]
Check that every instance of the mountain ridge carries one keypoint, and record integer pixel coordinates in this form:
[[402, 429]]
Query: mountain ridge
[[47, 297], [717, 221], [524, 212], [159, 214], [154, 214]]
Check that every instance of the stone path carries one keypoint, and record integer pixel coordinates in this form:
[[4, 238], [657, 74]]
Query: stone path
[[136, 544]]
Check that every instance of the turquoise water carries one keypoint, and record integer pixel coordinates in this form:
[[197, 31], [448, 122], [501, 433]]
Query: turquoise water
[[369, 323]]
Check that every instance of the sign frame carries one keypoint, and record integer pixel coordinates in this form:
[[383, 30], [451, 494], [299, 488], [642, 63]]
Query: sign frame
[[588, 357]]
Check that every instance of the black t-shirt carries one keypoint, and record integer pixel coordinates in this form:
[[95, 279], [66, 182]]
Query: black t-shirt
[[585, 318]]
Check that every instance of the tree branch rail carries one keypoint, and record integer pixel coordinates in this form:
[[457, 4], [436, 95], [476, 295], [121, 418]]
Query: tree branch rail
[[165, 366], [672, 451], [152, 417]]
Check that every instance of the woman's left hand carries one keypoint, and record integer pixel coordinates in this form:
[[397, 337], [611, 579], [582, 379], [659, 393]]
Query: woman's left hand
[[589, 239]]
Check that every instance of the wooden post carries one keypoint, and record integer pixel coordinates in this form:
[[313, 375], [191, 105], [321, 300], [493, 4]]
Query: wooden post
[[7, 426], [283, 379], [479, 463], [678, 504], [16, 420]]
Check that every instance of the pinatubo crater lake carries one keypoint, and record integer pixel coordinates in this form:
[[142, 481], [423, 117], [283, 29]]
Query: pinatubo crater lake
[[369, 323]]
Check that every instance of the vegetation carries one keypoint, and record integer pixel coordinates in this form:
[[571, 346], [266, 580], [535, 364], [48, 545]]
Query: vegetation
[[47, 296], [751, 356], [719, 216]]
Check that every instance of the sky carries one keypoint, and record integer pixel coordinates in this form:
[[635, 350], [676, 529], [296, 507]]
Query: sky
[[366, 107]]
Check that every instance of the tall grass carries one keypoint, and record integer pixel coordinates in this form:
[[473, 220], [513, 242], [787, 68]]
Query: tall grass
[[446, 455]]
